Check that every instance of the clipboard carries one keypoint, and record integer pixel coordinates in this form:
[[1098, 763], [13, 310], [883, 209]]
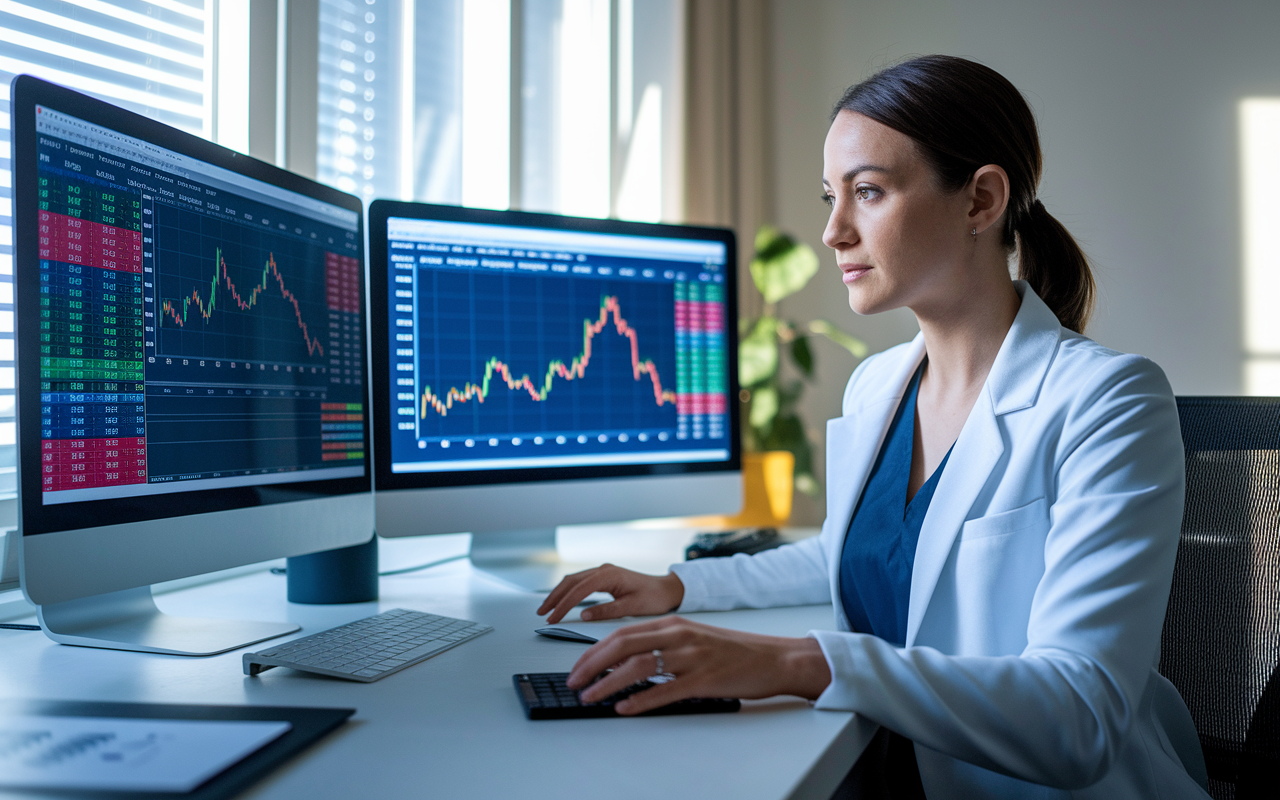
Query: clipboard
[[309, 724]]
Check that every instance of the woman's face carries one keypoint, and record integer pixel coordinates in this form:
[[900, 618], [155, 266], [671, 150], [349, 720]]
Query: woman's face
[[899, 239]]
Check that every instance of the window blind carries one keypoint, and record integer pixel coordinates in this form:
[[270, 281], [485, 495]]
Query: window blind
[[390, 102], [154, 58], [415, 100]]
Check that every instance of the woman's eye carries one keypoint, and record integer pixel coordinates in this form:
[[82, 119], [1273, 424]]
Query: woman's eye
[[829, 200], [864, 193]]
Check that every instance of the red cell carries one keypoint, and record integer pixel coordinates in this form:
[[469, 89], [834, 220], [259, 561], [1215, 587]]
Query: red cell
[[701, 403], [79, 241], [89, 463], [342, 283]]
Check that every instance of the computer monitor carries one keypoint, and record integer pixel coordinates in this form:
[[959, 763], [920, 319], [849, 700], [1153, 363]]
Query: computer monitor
[[191, 369], [532, 370]]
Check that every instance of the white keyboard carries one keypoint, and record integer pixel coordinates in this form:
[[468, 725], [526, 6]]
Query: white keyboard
[[371, 648]]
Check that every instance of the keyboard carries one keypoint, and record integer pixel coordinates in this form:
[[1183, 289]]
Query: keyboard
[[368, 649], [545, 695]]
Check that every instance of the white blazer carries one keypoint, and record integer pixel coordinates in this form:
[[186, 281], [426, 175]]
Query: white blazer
[[1040, 581]]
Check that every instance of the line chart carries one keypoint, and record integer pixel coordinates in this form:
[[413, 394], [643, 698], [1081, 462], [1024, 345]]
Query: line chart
[[234, 292], [574, 370], [222, 276]]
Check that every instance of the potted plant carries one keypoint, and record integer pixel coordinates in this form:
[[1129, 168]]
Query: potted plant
[[777, 453]]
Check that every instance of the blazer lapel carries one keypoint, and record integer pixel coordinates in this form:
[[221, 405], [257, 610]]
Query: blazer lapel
[[1012, 385], [977, 451], [853, 441]]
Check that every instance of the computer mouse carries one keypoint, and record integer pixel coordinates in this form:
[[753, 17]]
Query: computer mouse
[[567, 635]]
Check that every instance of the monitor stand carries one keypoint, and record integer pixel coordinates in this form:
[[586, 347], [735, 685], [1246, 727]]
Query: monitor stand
[[527, 560], [130, 620]]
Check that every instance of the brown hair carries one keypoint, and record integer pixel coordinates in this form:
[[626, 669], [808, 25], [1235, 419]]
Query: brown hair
[[964, 115]]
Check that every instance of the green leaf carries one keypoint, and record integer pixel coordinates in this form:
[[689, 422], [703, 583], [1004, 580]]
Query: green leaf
[[787, 433], [806, 483], [771, 242], [764, 407], [802, 354], [824, 328], [789, 394], [758, 353], [782, 266]]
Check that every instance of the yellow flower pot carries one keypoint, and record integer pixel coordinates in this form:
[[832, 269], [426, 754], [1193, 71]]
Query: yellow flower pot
[[767, 486]]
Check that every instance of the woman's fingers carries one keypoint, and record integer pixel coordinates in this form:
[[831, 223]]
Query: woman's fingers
[[633, 593], [613, 609], [639, 667], [564, 587], [619, 646], [633, 670], [574, 589], [706, 662], [599, 580], [657, 697]]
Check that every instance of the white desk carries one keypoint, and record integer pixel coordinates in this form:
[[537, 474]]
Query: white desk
[[452, 725]]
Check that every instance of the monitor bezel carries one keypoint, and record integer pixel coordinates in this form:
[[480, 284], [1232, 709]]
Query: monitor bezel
[[380, 211], [26, 93]]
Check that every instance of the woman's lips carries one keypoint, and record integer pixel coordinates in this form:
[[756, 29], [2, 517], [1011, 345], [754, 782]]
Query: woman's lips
[[853, 271]]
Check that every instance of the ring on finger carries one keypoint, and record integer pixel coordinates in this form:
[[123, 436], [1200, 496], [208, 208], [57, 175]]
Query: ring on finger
[[660, 674]]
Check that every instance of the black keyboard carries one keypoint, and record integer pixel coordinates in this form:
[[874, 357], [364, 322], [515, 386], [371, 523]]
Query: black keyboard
[[546, 696]]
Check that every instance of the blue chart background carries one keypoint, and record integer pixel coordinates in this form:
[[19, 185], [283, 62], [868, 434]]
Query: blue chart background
[[218, 421], [186, 244], [466, 317]]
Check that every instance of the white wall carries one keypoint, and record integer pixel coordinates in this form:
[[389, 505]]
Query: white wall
[[1137, 102]]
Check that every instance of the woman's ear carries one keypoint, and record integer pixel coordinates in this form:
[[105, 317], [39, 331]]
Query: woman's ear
[[988, 196]]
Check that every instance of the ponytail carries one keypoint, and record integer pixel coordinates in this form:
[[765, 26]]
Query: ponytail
[[1055, 267], [964, 115]]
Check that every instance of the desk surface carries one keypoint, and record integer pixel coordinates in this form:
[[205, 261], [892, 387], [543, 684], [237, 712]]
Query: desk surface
[[452, 725]]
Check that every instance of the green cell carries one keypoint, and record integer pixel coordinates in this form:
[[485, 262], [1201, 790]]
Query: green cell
[[89, 369]]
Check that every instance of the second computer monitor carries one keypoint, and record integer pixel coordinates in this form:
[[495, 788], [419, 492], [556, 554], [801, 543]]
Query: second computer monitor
[[532, 370]]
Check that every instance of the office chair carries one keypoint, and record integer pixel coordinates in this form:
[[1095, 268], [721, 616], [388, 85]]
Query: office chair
[[1221, 640]]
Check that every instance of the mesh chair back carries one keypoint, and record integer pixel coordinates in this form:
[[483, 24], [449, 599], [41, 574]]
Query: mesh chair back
[[1221, 640]]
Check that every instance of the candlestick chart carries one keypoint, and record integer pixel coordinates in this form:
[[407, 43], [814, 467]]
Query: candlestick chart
[[519, 354], [230, 292], [575, 370], [179, 312]]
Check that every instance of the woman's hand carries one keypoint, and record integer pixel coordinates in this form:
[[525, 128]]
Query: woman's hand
[[706, 662], [634, 594]]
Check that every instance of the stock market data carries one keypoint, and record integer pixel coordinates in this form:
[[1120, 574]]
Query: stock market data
[[514, 348], [199, 329]]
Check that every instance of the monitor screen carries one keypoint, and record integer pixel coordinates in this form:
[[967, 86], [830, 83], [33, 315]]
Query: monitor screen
[[200, 331], [520, 343]]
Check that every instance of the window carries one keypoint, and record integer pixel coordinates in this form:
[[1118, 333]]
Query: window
[[415, 100], [151, 57], [1260, 174], [435, 100]]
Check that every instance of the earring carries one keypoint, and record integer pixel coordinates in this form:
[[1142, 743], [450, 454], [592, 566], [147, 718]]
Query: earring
[[974, 232]]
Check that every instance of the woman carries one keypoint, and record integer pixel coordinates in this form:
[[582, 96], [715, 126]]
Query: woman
[[1004, 495]]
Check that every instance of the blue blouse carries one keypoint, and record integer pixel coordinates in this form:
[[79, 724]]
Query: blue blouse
[[880, 547]]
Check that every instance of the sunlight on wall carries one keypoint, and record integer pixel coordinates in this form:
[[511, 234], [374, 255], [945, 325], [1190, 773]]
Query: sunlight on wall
[[408, 117], [1260, 181], [640, 196], [584, 108], [233, 76], [486, 110]]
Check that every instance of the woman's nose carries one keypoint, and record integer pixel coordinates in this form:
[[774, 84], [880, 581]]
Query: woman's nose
[[839, 232]]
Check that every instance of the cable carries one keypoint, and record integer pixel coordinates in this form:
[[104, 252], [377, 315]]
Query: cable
[[14, 626], [428, 565]]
